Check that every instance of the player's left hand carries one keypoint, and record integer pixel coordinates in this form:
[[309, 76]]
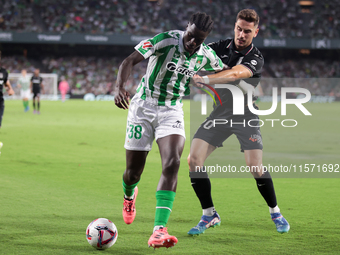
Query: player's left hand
[[10, 92], [197, 81], [122, 98]]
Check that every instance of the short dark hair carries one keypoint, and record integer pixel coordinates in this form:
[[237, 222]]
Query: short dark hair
[[202, 21], [249, 15]]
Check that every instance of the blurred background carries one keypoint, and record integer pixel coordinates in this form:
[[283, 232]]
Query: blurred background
[[85, 41]]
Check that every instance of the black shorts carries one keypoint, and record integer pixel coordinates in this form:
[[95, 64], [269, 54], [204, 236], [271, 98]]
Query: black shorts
[[246, 128], [2, 108], [36, 94]]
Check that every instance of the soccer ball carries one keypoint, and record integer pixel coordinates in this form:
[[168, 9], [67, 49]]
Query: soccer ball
[[101, 233]]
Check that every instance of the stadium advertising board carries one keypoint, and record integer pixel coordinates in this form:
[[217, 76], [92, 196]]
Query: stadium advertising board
[[6, 37], [130, 39]]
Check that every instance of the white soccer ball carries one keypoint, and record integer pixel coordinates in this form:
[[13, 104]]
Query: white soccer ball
[[101, 233]]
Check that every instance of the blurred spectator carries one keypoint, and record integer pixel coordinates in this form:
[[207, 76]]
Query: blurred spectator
[[98, 75], [313, 74], [17, 15], [16, 64], [281, 19], [92, 74]]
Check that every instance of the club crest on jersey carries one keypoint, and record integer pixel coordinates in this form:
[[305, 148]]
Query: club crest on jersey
[[147, 45], [172, 67], [198, 64]]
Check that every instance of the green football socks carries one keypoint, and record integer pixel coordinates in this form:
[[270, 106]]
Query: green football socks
[[129, 190], [25, 103], [165, 200]]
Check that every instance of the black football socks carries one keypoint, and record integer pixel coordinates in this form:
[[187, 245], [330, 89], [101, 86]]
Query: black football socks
[[266, 187], [202, 187]]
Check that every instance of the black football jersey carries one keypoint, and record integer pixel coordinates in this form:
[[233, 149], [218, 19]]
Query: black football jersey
[[36, 82], [3, 80], [250, 57]]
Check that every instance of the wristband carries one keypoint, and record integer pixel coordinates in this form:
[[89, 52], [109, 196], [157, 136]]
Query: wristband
[[205, 79]]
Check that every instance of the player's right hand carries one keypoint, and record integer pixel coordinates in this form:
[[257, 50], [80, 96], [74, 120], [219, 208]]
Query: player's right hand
[[10, 92], [197, 81], [122, 98]]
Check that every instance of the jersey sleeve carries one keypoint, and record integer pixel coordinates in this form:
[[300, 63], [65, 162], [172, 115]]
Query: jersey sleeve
[[5, 77], [214, 63], [150, 46], [216, 45], [253, 63]]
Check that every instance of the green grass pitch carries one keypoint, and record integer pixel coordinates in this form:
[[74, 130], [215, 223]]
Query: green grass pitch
[[62, 169]]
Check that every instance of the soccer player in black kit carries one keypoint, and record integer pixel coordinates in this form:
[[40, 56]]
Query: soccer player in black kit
[[244, 63], [4, 82], [36, 87]]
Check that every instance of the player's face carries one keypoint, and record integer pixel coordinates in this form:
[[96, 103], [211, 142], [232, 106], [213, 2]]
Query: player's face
[[193, 38], [36, 72], [244, 33], [23, 72]]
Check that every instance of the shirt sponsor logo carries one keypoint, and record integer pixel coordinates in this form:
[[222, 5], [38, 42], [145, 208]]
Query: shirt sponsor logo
[[1, 75], [54, 38], [1, 82], [172, 67], [96, 38], [35, 81]]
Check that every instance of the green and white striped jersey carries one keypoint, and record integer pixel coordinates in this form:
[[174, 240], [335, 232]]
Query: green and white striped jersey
[[24, 82], [171, 67]]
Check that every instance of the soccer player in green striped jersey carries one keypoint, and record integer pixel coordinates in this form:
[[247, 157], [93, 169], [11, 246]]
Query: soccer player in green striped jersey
[[155, 112], [24, 85]]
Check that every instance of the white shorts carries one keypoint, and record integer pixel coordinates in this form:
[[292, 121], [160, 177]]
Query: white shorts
[[25, 94], [147, 121]]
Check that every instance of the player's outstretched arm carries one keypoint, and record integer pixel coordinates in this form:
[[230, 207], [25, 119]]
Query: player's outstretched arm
[[236, 73], [121, 95], [42, 88], [10, 90], [198, 81]]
